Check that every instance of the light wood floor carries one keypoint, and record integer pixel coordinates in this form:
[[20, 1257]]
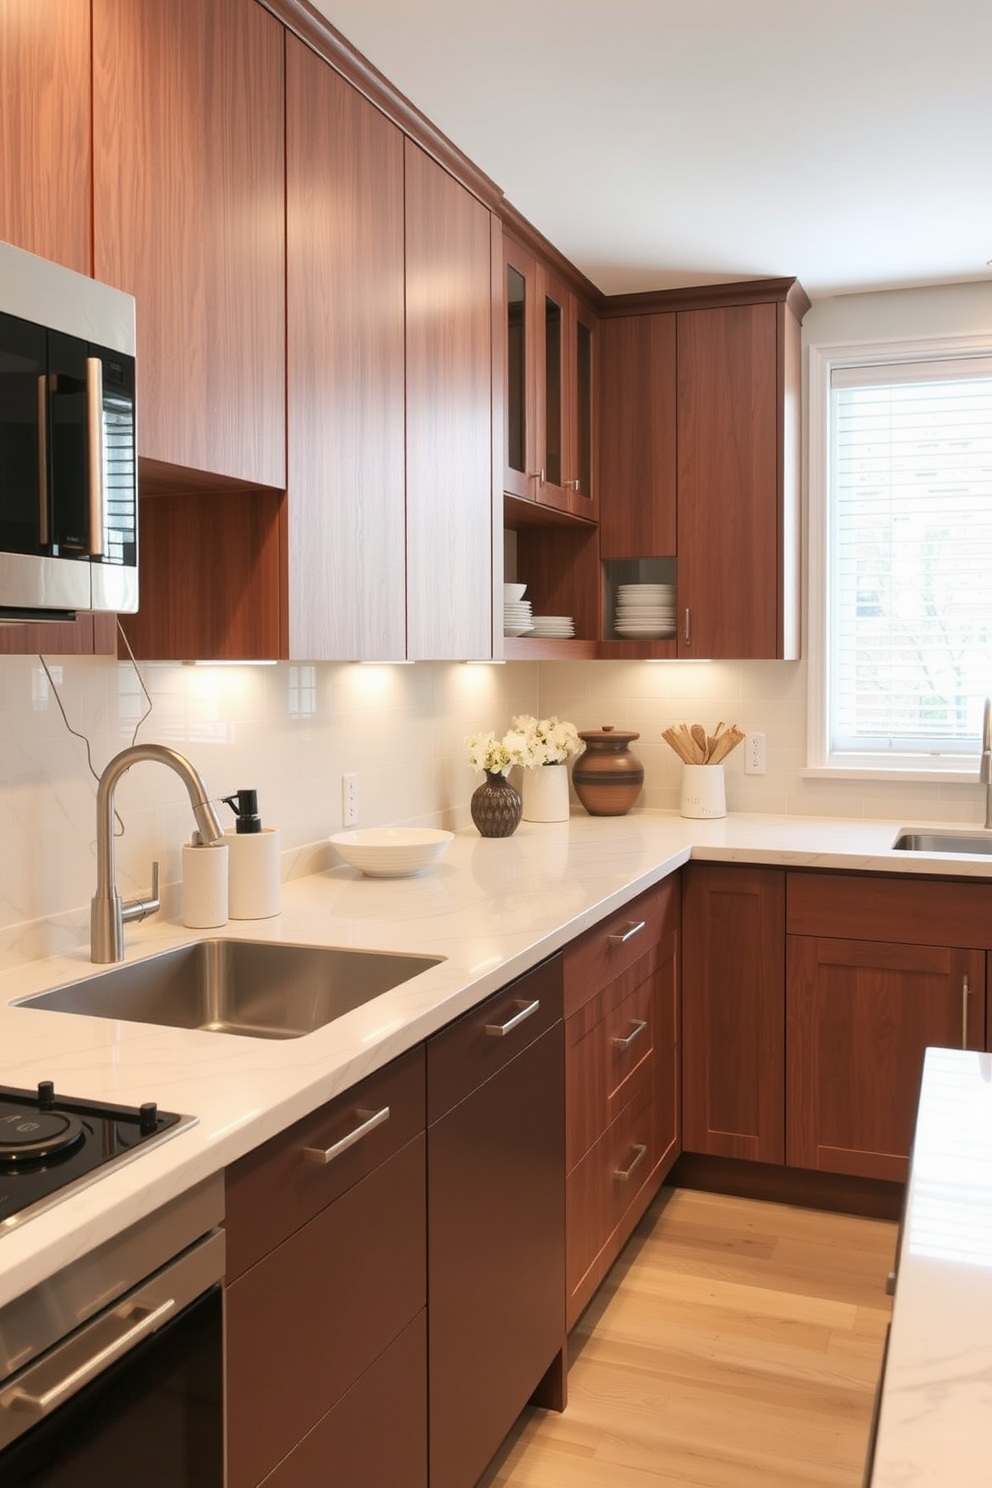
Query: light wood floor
[[736, 1344]]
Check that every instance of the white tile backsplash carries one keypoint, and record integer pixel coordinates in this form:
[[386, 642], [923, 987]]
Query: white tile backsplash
[[292, 730]]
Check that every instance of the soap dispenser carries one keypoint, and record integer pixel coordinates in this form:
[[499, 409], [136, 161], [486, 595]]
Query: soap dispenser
[[254, 870]]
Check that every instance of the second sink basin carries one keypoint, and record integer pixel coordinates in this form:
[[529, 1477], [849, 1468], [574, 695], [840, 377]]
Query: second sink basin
[[945, 842], [261, 989]]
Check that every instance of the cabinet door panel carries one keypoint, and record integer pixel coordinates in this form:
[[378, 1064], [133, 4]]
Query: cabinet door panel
[[729, 537], [860, 1015], [306, 1321], [637, 438], [189, 198], [449, 469], [345, 369], [45, 129], [733, 1011], [496, 1257]]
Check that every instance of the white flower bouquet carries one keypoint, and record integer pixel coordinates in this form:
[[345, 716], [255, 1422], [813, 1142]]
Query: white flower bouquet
[[543, 741], [495, 756]]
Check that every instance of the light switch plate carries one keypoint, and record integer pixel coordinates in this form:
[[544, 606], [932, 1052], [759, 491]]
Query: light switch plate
[[349, 800], [754, 754]]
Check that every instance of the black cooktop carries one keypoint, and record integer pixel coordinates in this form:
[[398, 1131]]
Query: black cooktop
[[50, 1142]]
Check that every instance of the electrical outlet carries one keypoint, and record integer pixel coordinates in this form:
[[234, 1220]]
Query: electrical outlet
[[349, 800], [754, 754]]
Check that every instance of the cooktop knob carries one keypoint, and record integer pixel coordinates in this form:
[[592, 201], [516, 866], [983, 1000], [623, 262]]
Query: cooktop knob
[[46, 1094], [148, 1117]]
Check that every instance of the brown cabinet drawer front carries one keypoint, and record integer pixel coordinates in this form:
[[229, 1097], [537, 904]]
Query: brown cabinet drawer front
[[275, 1189], [305, 1322], [613, 1184], [609, 1057], [376, 1435], [461, 1057], [609, 948], [915, 911]]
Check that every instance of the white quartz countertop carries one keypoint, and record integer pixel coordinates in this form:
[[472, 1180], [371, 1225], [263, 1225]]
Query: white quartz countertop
[[491, 907], [938, 1379]]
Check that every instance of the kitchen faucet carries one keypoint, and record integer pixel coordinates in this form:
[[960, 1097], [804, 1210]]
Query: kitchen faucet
[[108, 912], [985, 768]]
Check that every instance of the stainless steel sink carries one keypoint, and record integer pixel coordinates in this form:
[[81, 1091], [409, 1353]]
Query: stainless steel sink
[[261, 989], [945, 842]]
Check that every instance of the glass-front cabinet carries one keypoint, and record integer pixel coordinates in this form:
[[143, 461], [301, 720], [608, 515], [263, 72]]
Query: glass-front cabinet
[[549, 425]]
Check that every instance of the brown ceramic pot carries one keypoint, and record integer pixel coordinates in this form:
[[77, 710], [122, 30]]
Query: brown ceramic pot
[[607, 777], [496, 807]]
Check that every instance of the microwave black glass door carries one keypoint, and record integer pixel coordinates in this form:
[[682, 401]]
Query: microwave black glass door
[[24, 511], [68, 442]]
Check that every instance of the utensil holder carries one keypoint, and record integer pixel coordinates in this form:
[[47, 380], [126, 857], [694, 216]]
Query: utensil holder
[[703, 791]]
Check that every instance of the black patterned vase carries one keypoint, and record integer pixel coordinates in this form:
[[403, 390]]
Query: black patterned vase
[[496, 807]]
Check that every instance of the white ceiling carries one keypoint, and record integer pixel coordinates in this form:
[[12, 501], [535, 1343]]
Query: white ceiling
[[660, 143]]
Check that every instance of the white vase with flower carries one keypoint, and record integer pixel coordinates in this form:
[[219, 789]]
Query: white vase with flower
[[544, 745]]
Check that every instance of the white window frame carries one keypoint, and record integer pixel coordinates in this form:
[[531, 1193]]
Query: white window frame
[[822, 359]]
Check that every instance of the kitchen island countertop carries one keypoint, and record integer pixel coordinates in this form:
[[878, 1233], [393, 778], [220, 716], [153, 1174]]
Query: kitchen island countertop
[[491, 907]]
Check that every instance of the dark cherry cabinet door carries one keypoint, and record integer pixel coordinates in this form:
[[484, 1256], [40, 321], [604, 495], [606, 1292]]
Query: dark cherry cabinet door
[[860, 1015], [496, 1207], [189, 216], [637, 437], [345, 368], [728, 480], [733, 1011]]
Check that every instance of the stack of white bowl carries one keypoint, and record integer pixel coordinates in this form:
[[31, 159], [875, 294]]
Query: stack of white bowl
[[517, 617], [554, 625], [644, 611]]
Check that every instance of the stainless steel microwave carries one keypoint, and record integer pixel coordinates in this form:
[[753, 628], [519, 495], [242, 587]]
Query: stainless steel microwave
[[68, 453]]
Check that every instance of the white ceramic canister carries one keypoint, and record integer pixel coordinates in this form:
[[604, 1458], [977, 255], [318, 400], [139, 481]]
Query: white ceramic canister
[[544, 792], [255, 873], [703, 791], [205, 885]]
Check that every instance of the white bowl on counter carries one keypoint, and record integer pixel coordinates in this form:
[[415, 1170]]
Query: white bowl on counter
[[391, 852]]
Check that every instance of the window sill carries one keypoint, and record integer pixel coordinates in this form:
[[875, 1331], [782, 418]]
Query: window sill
[[870, 772]]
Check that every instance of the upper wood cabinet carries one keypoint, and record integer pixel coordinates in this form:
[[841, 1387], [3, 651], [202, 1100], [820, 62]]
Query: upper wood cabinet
[[188, 195], [700, 461], [45, 174], [550, 426], [449, 391], [345, 369]]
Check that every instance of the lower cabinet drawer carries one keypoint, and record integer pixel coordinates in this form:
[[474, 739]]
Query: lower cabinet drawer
[[305, 1322], [608, 1191], [376, 1435]]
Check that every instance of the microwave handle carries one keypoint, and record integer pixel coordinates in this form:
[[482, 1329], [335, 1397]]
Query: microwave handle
[[96, 473], [43, 531]]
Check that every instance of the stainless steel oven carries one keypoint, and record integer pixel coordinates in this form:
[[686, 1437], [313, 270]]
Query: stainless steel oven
[[68, 453], [111, 1373]]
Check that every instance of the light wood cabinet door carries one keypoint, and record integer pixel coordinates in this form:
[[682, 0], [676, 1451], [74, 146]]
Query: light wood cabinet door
[[860, 1015], [345, 369], [449, 466], [189, 197], [45, 160], [733, 1011]]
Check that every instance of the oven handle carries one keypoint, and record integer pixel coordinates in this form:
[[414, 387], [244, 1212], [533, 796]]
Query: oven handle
[[49, 1381], [41, 1405]]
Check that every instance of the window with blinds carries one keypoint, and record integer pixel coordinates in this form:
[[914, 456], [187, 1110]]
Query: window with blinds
[[909, 559]]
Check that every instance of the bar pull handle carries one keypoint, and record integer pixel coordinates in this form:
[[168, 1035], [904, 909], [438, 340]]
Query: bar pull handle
[[97, 473], [623, 1175], [965, 994], [370, 1120], [538, 475], [687, 630], [525, 1010], [43, 529], [43, 1404], [634, 927], [624, 1043], [571, 485]]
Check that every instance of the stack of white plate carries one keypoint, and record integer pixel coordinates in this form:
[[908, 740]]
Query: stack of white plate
[[645, 611], [517, 617], [554, 625]]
